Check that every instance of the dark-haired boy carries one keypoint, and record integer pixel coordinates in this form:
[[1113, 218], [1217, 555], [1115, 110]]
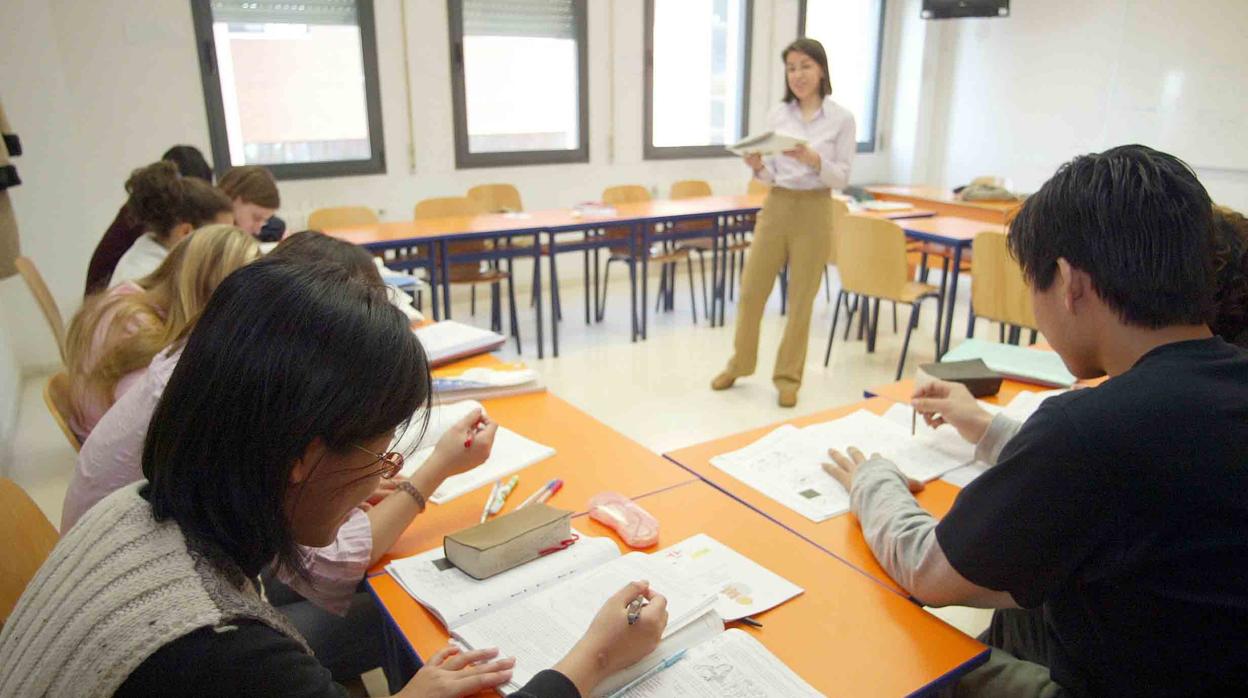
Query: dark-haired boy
[[1116, 517]]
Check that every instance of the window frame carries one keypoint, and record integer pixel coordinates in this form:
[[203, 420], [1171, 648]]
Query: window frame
[[464, 157], [677, 152], [867, 146], [201, 14]]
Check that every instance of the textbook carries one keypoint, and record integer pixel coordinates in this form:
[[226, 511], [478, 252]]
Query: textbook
[[480, 383], [536, 612], [787, 464], [766, 143], [511, 453], [1019, 363], [449, 341]]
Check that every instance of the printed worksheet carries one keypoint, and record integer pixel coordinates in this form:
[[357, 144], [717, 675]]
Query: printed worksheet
[[787, 466], [922, 458], [730, 665], [745, 587]]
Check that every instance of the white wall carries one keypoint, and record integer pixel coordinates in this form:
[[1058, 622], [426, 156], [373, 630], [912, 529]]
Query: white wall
[[1019, 96]]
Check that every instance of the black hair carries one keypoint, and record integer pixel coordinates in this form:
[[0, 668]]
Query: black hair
[[814, 50], [190, 162], [1137, 221], [285, 352], [313, 245], [161, 198]]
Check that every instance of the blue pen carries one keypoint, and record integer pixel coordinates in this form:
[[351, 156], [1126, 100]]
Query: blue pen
[[666, 663]]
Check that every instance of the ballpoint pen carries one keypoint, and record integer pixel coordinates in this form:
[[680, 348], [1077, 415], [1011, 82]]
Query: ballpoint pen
[[666, 663]]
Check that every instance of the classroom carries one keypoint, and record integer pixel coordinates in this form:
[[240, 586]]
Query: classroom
[[422, 348]]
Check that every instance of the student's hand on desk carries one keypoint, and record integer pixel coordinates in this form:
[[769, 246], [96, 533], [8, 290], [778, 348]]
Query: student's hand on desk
[[451, 457], [805, 155], [611, 644], [452, 673], [845, 465], [943, 402]]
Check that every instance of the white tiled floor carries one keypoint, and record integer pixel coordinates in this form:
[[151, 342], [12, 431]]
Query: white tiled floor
[[656, 392]]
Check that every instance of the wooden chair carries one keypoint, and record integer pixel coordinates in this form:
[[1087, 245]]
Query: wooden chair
[[341, 217], [43, 297], [693, 189], [471, 273], [665, 255], [496, 198], [56, 397], [999, 292], [871, 256], [26, 540]]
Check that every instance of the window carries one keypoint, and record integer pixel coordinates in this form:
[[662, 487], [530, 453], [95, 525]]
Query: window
[[851, 31], [291, 86], [697, 76], [518, 77]]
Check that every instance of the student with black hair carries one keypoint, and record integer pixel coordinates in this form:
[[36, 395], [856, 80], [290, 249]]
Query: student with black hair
[[272, 430], [126, 228], [1111, 530]]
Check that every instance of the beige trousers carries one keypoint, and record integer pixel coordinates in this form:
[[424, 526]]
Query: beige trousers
[[795, 227]]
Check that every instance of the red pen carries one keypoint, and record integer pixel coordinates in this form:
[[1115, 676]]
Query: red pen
[[475, 428]]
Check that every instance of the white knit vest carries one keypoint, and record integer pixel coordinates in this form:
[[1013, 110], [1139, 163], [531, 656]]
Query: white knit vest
[[116, 588]]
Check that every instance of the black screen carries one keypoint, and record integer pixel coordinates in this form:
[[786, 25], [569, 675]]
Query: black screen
[[947, 9]]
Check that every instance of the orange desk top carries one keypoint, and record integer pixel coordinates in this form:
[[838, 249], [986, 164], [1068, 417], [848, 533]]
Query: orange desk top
[[841, 536], [950, 227], [902, 390], [944, 202], [434, 228], [590, 457], [846, 635]]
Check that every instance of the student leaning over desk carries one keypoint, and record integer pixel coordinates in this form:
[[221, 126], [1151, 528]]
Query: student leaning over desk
[[1111, 530], [272, 430], [795, 223]]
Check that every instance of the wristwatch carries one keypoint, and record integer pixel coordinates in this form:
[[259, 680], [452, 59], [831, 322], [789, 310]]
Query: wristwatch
[[410, 489]]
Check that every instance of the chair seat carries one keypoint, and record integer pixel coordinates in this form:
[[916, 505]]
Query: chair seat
[[477, 276], [915, 290]]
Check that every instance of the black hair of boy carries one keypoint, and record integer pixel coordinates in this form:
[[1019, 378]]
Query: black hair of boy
[[1137, 221], [284, 352]]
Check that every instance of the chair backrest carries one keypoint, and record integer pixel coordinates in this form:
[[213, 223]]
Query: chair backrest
[[43, 297], [341, 217], [496, 197], [625, 194], [26, 539], [757, 188], [690, 189], [446, 206], [840, 211], [56, 397], [999, 291], [872, 257]]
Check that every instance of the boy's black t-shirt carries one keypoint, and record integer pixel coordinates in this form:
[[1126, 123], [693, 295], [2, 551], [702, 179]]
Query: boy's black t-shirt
[[1123, 511]]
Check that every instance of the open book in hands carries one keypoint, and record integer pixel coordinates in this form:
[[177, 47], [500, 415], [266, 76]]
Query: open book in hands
[[766, 143]]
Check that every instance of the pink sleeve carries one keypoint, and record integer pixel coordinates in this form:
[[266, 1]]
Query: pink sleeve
[[337, 569]]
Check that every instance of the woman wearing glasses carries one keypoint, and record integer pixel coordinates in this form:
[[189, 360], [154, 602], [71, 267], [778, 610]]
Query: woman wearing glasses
[[272, 430]]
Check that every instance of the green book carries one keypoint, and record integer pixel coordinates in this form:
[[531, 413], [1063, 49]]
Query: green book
[[1018, 363]]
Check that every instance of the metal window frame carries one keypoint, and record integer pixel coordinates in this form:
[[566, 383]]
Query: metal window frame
[[678, 152], [201, 13], [464, 158], [867, 146]]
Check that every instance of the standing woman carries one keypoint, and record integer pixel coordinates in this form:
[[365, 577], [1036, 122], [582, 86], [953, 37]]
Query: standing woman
[[794, 225]]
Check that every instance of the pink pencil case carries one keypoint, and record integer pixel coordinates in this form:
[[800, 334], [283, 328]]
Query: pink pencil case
[[636, 526]]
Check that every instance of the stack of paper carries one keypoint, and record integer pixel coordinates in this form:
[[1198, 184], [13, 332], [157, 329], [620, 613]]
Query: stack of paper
[[484, 383], [1019, 363], [448, 341], [511, 452]]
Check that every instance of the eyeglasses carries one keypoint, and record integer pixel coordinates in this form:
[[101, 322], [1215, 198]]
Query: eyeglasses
[[393, 461]]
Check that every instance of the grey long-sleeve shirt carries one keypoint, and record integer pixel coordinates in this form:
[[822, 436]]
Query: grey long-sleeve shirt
[[902, 534]]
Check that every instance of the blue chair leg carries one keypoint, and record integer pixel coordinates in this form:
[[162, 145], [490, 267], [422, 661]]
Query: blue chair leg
[[905, 343], [693, 304], [836, 312]]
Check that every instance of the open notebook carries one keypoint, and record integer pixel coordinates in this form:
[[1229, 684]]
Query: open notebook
[[538, 611], [766, 143], [511, 452], [449, 341]]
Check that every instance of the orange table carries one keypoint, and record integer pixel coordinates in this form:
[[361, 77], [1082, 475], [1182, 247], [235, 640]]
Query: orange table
[[944, 203], [840, 536], [590, 457], [902, 390], [845, 635]]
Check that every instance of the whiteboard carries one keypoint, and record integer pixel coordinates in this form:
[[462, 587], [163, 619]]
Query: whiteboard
[[1180, 82]]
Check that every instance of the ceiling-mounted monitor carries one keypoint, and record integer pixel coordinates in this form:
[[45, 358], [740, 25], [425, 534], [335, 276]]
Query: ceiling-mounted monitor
[[953, 9]]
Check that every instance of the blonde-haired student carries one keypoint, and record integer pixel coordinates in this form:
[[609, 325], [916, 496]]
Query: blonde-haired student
[[114, 336]]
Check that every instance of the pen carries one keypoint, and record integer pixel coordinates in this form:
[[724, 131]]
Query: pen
[[475, 428], [485, 513], [914, 414], [551, 491], [653, 671], [634, 609], [533, 497], [500, 497]]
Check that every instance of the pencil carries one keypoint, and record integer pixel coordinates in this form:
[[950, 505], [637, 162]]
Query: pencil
[[914, 414]]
